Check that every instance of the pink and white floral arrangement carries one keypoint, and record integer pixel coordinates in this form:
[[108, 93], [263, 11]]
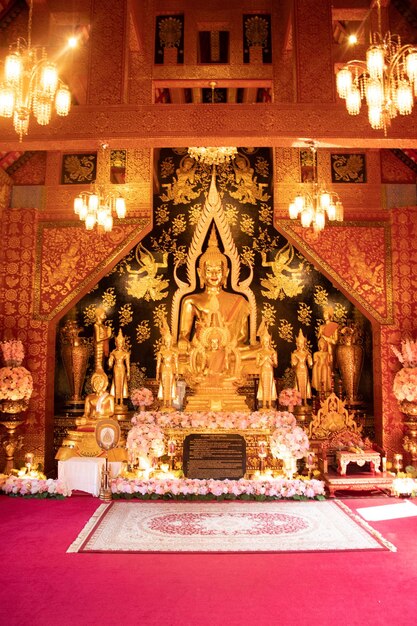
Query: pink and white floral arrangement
[[141, 397], [16, 383], [405, 381], [146, 435], [33, 487], [174, 488], [13, 351], [407, 356], [289, 397]]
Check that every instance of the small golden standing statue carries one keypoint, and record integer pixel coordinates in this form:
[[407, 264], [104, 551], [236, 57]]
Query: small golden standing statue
[[350, 360], [266, 360], [102, 334], [167, 368], [98, 404], [329, 330], [300, 361], [322, 370], [119, 360]]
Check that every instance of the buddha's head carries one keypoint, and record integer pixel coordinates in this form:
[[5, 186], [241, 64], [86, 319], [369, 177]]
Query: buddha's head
[[212, 265], [120, 340], [99, 382]]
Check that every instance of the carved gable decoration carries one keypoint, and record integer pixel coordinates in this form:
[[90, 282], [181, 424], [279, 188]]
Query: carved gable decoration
[[67, 261], [357, 256]]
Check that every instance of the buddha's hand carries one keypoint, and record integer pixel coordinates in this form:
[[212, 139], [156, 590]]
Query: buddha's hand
[[183, 344]]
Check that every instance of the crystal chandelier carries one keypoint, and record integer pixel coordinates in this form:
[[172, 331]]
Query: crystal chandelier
[[212, 155], [314, 206], [31, 85], [96, 206], [387, 80]]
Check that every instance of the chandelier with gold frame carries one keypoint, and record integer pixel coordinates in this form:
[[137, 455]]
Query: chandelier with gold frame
[[386, 80], [31, 85], [317, 204], [97, 205]]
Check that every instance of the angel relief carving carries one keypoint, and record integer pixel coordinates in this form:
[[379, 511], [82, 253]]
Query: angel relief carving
[[182, 189], [285, 280], [144, 282], [248, 190]]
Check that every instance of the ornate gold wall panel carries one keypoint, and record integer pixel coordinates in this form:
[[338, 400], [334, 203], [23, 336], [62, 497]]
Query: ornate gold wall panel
[[69, 259], [357, 255]]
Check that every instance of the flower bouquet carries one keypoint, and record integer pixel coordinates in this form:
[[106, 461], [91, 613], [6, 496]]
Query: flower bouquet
[[12, 351], [407, 356], [405, 381], [16, 384], [290, 397], [289, 442], [141, 397]]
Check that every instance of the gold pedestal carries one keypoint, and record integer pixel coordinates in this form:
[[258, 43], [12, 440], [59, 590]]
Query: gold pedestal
[[83, 443], [216, 399], [11, 442]]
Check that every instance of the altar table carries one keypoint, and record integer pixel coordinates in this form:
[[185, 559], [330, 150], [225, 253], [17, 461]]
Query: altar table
[[84, 473], [360, 458]]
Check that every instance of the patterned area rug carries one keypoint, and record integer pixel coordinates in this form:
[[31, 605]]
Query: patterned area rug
[[226, 527]]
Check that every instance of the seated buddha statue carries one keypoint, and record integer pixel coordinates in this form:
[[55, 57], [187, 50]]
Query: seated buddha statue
[[99, 404], [214, 322], [213, 333]]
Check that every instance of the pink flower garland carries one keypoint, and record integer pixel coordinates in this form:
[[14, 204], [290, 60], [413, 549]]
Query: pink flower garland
[[290, 397], [46, 488], [173, 487]]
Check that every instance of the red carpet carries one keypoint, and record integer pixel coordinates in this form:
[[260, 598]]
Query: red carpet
[[44, 586]]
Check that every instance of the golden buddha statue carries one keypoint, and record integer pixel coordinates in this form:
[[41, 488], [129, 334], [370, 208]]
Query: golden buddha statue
[[213, 331], [119, 360], [329, 330], [167, 368], [266, 360], [98, 405], [300, 362], [322, 370], [102, 334]]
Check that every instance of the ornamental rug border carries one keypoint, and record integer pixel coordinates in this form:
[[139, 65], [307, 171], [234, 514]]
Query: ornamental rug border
[[286, 227], [169, 527], [66, 271]]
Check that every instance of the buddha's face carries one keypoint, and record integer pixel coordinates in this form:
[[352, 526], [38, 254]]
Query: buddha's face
[[213, 274]]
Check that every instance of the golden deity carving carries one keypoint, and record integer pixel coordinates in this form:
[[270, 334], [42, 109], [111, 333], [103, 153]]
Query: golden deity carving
[[248, 190], [285, 280], [182, 189], [331, 418], [144, 282], [119, 361], [300, 362]]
